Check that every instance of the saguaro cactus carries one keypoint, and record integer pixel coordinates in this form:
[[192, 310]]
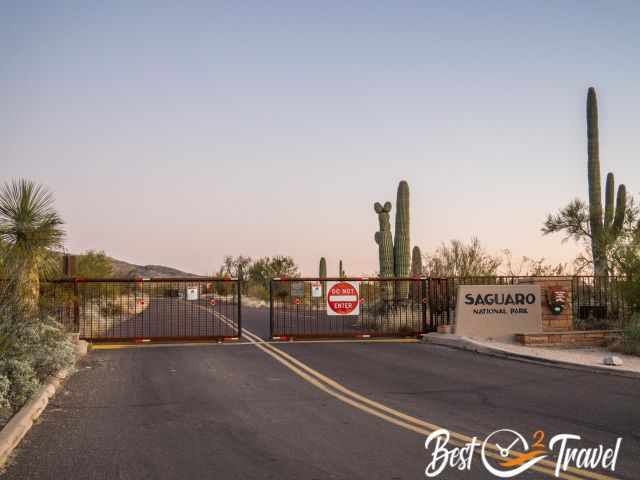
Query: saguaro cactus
[[385, 246], [322, 273], [416, 271], [402, 241], [603, 230], [341, 273]]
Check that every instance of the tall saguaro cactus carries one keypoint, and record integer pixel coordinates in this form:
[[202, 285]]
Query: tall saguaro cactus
[[603, 230], [402, 241], [341, 273], [385, 246]]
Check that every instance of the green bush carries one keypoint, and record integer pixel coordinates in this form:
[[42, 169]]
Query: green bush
[[31, 349]]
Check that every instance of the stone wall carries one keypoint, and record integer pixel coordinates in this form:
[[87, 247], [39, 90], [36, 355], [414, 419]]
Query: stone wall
[[575, 338]]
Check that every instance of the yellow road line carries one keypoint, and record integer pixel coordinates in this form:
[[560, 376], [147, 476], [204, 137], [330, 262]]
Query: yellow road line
[[342, 393], [121, 346], [396, 417]]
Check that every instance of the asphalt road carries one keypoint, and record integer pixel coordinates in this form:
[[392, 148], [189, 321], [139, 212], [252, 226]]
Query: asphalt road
[[233, 411], [162, 317]]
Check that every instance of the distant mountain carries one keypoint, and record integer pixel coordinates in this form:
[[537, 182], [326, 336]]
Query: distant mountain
[[122, 269]]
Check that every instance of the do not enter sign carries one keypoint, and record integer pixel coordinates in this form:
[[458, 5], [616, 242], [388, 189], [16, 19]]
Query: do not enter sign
[[343, 298]]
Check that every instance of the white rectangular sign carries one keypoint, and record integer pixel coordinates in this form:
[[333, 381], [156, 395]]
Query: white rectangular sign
[[192, 293], [316, 289], [498, 311], [343, 298]]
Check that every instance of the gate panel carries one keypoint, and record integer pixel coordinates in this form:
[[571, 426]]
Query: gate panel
[[440, 302], [175, 308], [599, 303], [389, 307]]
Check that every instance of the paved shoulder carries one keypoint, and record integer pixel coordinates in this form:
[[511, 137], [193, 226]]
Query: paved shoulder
[[206, 412]]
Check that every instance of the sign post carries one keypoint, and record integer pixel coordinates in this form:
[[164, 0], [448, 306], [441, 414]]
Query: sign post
[[343, 298]]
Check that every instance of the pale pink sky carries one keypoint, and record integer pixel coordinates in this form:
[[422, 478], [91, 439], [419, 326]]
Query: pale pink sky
[[176, 135]]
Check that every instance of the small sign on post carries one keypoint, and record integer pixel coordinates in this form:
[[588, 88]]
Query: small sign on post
[[192, 293], [297, 289], [316, 289], [343, 298]]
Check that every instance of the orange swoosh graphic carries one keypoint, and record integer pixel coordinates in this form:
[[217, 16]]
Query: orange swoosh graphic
[[524, 457]]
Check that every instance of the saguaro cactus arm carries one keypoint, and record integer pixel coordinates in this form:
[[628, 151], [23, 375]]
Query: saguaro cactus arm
[[608, 201], [416, 262], [621, 208], [384, 239]]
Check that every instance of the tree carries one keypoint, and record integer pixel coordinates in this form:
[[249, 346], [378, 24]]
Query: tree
[[31, 231], [94, 264], [235, 266], [574, 221], [461, 260], [266, 268]]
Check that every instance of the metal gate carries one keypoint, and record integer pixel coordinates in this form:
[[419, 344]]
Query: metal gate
[[388, 307], [151, 308]]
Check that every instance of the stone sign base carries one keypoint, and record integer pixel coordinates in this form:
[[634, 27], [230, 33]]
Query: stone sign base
[[571, 339]]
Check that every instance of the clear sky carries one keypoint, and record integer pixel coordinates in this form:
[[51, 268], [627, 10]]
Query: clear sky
[[178, 134]]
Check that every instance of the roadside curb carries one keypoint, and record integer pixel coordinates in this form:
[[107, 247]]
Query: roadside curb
[[15, 430], [468, 344]]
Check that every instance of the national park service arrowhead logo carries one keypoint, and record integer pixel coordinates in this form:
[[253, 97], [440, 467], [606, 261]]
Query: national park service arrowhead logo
[[557, 298]]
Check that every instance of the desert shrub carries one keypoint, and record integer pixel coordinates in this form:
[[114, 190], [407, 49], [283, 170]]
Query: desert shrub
[[257, 290], [94, 264], [31, 349], [224, 288], [631, 337], [630, 341]]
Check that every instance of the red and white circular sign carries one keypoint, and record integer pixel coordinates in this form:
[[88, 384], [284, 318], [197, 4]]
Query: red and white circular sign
[[343, 298]]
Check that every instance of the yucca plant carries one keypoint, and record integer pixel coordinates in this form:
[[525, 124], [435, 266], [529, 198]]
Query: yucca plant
[[31, 233], [32, 344]]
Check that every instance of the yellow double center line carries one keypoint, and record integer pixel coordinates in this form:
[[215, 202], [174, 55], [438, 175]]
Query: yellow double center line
[[342, 393]]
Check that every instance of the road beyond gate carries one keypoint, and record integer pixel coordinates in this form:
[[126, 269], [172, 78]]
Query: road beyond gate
[[148, 308]]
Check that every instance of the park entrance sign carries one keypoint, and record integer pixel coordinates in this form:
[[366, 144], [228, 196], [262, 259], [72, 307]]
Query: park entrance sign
[[343, 298], [498, 311]]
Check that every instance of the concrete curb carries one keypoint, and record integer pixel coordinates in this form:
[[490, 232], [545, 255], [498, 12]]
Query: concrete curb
[[468, 344], [15, 430]]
